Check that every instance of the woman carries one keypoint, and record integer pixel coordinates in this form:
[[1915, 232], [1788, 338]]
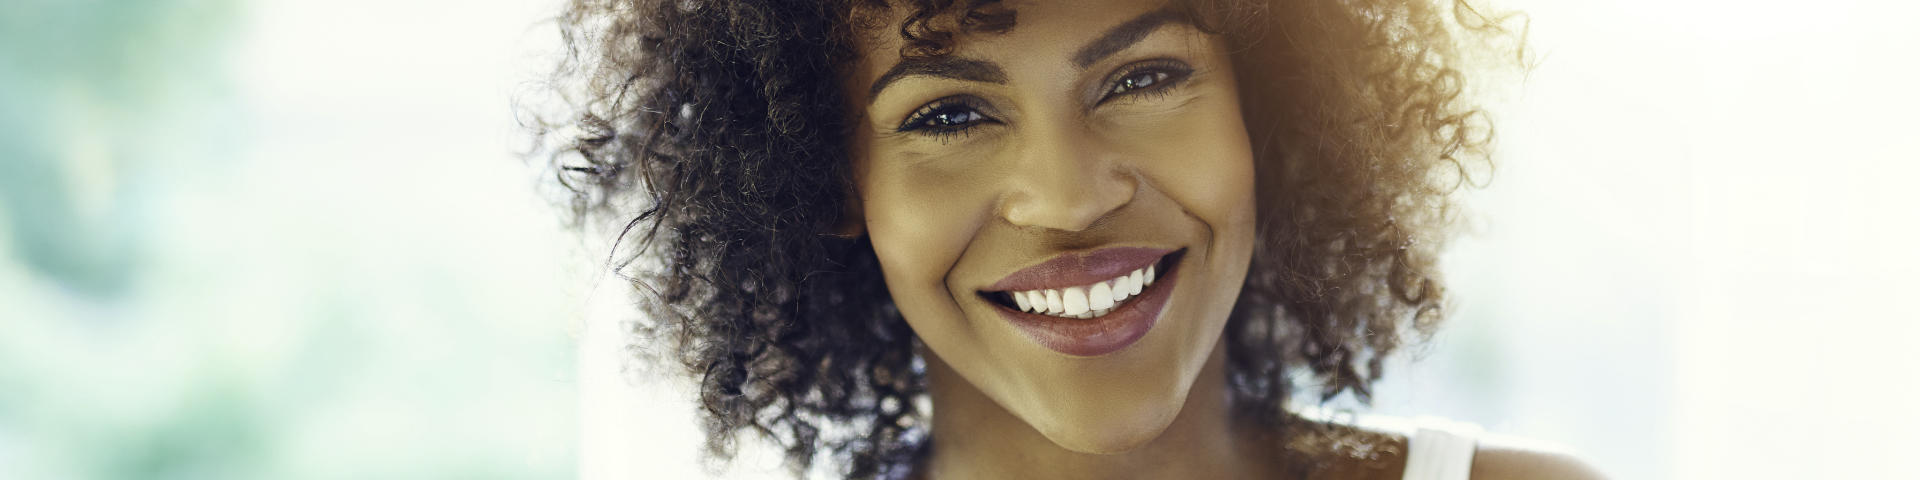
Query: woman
[[1035, 239]]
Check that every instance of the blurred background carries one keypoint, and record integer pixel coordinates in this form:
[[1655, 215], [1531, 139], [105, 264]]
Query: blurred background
[[262, 240], [279, 239]]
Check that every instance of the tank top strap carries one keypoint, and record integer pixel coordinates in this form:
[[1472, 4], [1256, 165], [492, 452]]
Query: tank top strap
[[1440, 449]]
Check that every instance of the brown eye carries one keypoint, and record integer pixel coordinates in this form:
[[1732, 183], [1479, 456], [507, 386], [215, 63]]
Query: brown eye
[[1152, 76], [951, 117], [947, 117], [1139, 81]]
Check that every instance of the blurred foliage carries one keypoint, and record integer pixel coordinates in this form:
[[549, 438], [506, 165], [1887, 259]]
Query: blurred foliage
[[86, 84], [173, 304]]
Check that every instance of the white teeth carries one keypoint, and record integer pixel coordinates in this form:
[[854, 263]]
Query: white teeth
[[1087, 301], [1100, 297], [1075, 299]]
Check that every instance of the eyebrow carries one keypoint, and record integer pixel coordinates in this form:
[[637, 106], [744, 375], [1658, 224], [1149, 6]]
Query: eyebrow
[[1125, 35], [946, 67], [1113, 41]]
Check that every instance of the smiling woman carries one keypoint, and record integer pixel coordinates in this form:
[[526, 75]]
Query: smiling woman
[[1036, 239], [1103, 141]]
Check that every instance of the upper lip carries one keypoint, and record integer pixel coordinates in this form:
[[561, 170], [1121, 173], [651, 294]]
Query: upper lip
[[1074, 269]]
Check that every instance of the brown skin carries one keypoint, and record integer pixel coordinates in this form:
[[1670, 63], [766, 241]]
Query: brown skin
[[1068, 166], [1071, 159]]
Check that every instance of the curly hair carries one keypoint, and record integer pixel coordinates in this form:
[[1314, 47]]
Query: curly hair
[[716, 130]]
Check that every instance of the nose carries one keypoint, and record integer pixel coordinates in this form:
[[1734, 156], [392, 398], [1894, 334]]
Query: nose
[[1065, 178]]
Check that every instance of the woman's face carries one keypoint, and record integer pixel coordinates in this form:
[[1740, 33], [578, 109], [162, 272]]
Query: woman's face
[[1091, 140]]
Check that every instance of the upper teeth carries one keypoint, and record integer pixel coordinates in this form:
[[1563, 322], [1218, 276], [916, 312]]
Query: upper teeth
[[1086, 301]]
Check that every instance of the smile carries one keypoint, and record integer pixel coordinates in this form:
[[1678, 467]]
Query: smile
[[1088, 300], [1089, 318]]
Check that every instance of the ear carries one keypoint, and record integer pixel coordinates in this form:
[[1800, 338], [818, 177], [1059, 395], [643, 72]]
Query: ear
[[853, 218]]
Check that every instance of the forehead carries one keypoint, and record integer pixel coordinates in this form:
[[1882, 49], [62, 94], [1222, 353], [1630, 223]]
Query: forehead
[[1041, 29]]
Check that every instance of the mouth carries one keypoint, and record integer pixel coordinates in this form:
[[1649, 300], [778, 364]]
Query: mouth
[[1074, 319], [1050, 293]]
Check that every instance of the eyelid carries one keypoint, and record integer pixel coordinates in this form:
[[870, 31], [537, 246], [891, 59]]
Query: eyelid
[[937, 104], [1177, 71]]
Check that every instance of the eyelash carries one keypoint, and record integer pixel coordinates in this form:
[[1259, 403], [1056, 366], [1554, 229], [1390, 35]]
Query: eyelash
[[1166, 74], [922, 120]]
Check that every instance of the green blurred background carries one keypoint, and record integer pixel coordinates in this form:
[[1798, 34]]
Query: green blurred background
[[255, 240]]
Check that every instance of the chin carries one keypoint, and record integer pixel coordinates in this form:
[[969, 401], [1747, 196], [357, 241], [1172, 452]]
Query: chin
[[1110, 429]]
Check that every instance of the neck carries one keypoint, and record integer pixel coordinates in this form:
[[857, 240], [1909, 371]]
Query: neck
[[975, 438]]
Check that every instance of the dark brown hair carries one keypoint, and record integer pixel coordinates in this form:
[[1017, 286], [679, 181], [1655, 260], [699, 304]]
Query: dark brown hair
[[716, 131]]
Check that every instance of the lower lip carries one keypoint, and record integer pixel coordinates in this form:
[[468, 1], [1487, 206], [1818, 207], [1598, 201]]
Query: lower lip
[[1093, 337]]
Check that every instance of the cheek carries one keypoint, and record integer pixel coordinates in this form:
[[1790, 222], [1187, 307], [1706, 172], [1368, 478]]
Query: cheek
[[920, 226], [1204, 162]]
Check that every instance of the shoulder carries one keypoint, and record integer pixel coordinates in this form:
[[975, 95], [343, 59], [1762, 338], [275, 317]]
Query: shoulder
[[1499, 457], [1376, 447]]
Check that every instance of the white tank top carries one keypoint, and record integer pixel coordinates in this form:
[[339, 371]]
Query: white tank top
[[1440, 450], [1437, 448]]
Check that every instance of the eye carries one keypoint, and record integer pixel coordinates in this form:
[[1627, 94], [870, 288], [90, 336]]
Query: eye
[[1139, 81], [946, 117], [1152, 76], [949, 117]]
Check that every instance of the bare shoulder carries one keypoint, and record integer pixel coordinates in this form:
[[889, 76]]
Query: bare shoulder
[[1500, 457], [1378, 448]]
